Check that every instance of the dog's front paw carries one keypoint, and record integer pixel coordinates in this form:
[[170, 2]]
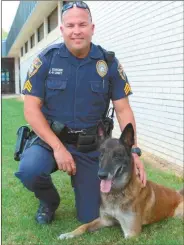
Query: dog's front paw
[[66, 236]]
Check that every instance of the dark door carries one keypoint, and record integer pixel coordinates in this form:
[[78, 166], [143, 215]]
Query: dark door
[[7, 76]]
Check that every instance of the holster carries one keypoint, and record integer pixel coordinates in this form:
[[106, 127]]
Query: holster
[[27, 137], [22, 137]]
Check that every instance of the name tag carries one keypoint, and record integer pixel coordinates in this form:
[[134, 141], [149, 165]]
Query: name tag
[[56, 71]]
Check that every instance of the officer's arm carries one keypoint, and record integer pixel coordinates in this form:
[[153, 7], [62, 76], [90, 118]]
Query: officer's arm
[[120, 91], [35, 117], [34, 91], [124, 114]]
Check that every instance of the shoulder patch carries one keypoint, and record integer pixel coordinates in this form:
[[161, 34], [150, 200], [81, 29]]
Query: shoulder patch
[[34, 66], [121, 71]]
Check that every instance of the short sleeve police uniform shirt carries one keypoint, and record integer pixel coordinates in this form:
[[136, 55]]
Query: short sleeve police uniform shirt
[[75, 91]]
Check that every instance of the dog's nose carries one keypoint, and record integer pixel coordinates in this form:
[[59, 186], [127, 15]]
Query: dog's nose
[[102, 175]]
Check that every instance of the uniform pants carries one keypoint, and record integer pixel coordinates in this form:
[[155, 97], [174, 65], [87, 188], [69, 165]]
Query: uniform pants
[[36, 166]]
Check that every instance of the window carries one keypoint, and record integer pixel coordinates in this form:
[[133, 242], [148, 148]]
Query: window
[[5, 76], [22, 51], [53, 20], [32, 39], [40, 33], [26, 47]]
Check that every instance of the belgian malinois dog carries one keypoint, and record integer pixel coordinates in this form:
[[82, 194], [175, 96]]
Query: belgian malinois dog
[[124, 199]]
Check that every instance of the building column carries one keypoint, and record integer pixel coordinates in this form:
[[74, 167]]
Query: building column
[[45, 24], [36, 37], [59, 13], [17, 76], [29, 44]]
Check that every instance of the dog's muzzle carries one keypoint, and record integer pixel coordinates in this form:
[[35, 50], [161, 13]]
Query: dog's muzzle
[[102, 174]]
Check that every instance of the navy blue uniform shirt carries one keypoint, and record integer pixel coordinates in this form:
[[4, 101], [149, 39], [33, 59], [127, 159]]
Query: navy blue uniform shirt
[[75, 91]]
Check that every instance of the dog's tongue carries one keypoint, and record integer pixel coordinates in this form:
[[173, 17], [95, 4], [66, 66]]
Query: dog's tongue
[[105, 185]]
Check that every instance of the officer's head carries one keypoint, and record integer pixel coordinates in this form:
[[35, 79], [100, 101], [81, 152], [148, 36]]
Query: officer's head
[[77, 27]]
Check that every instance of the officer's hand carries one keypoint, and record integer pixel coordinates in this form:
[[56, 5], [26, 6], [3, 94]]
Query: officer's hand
[[139, 168], [65, 161]]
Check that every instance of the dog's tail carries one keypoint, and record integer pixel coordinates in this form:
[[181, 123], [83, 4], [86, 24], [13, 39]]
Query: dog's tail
[[181, 192]]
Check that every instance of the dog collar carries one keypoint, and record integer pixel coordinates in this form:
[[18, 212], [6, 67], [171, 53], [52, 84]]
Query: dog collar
[[136, 150]]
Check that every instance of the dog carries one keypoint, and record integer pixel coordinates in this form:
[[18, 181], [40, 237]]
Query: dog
[[124, 199]]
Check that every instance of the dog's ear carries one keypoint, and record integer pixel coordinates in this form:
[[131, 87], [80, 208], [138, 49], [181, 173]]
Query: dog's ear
[[127, 136], [101, 133]]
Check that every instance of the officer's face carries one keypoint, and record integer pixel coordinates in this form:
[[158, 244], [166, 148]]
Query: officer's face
[[77, 31]]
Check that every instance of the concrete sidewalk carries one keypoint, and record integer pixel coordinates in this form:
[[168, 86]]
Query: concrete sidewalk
[[10, 96]]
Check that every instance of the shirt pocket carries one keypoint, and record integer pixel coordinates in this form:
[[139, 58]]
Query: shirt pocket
[[55, 93], [56, 84], [101, 87]]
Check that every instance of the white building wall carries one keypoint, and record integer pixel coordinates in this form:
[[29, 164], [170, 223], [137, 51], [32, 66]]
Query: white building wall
[[49, 38], [147, 37]]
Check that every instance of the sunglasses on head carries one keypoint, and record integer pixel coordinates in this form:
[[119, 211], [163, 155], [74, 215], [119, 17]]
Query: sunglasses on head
[[78, 4]]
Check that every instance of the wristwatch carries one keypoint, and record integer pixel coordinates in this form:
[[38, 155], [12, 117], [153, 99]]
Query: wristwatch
[[136, 150]]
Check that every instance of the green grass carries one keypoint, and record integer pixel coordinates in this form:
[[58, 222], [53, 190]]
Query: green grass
[[19, 205]]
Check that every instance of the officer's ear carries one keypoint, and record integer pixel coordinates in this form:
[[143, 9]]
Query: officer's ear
[[61, 28], [101, 133], [93, 29]]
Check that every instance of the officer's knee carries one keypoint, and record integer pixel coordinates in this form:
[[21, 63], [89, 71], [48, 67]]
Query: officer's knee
[[28, 171], [36, 161], [27, 176]]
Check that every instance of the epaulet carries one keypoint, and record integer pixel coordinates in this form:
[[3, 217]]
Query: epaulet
[[108, 55], [50, 48]]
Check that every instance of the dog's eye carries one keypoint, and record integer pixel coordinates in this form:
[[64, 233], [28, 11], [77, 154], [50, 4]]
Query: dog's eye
[[119, 170]]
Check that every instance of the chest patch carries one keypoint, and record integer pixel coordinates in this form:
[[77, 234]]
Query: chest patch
[[102, 68]]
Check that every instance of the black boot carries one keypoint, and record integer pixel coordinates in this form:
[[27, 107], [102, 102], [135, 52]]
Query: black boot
[[49, 198], [44, 215]]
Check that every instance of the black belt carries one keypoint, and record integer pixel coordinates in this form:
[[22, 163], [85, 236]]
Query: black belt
[[85, 140]]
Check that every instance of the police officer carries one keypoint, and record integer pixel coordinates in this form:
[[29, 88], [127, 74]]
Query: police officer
[[69, 83]]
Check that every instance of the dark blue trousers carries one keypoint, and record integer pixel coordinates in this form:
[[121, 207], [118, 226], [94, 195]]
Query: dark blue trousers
[[36, 166]]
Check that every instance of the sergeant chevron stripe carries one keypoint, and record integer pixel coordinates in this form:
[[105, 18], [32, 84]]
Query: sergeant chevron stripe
[[28, 86], [127, 88]]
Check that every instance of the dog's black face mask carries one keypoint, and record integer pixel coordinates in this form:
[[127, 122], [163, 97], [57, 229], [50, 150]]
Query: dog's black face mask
[[116, 161]]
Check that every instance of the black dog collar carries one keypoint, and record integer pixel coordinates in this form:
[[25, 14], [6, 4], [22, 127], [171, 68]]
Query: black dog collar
[[137, 150]]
